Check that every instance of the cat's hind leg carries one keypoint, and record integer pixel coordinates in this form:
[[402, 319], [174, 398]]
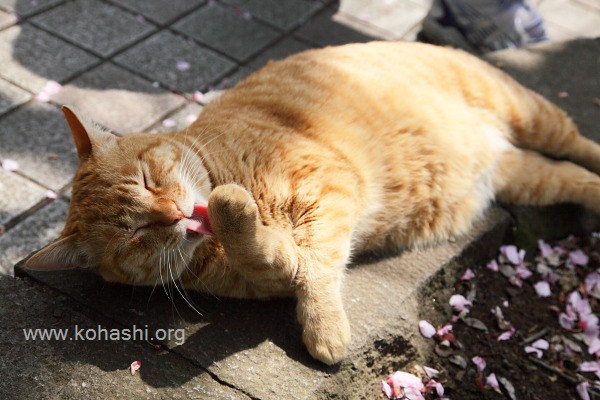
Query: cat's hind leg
[[528, 178], [537, 124]]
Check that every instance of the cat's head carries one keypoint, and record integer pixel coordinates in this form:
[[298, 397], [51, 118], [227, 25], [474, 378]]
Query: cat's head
[[132, 201]]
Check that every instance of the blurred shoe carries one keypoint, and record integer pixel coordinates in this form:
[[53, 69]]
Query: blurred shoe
[[483, 25]]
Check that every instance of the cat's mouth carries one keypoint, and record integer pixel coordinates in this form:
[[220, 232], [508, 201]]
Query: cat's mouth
[[198, 222]]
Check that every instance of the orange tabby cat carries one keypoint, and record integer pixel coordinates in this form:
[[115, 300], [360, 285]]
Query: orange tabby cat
[[310, 160]]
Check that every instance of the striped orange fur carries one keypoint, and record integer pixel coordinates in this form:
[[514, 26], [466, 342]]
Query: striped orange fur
[[311, 160]]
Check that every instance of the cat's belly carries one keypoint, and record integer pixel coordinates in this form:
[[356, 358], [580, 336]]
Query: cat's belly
[[421, 203]]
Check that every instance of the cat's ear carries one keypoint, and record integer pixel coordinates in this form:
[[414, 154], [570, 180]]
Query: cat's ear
[[61, 254], [87, 135]]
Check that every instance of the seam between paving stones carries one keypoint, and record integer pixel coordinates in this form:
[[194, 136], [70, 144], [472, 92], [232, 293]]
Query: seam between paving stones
[[99, 317], [42, 10]]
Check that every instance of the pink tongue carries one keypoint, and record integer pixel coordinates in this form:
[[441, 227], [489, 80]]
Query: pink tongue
[[199, 222]]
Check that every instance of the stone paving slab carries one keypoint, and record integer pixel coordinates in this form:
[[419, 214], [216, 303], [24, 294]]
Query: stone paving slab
[[118, 99], [27, 7], [263, 339], [571, 16], [7, 19], [37, 137], [284, 14], [556, 69], [94, 25], [76, 369], [30, 57], [386, 19], [228, 31], [160, 11], [11, 96], [34, 232], [280, 50], [323, 31], [177, 62], [179, 120], [19, 195]]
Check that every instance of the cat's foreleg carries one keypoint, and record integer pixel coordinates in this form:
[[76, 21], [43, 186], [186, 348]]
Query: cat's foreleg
[[265, 256], [528, 178], [310, 261]]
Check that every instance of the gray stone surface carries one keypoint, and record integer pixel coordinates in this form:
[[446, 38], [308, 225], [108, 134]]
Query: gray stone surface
[[30, 57], [27, 7], [284, 14], [32, 133], [231, 80], [553, 68], [94, 25], [11, 96], [76, 369], [18, 195], [286, 47], [7, 19], [160, 11], [263, 339], [179, 120], [323, 31], [118, 99], [177, 62], [226, 30], [34, 232]]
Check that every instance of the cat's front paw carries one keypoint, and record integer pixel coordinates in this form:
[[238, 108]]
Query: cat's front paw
[[327, 338], [232, 210]]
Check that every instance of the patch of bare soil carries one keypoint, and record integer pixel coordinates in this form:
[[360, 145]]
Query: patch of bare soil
[[520, 327]]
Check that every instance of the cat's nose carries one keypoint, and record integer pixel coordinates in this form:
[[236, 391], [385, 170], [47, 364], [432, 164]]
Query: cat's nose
[[166, 212]]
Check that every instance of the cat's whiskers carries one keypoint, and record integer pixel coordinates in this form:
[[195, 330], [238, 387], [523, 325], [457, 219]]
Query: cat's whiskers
[[160, 267], [184, 294]]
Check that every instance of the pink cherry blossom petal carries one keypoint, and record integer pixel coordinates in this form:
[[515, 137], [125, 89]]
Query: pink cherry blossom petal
[[404, 379], [468, 275], [523, 272], [578, 257], [506, 335], [531, 349], [444, 330], [492, 265], [592, 284], [479, 363], [10, 165], [198, 95], [426, 329], [136, 365], [459, 302], [594, 346], [511, 253], [52, 195], [542, 288], [431, 372], [182, 65], [492, 381], [545, 248], [590, 366], [582, 391], [169, 123], [541, 344], [387, 389]]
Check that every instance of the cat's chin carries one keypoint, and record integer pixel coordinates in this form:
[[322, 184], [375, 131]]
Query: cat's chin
[[192, 235]]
